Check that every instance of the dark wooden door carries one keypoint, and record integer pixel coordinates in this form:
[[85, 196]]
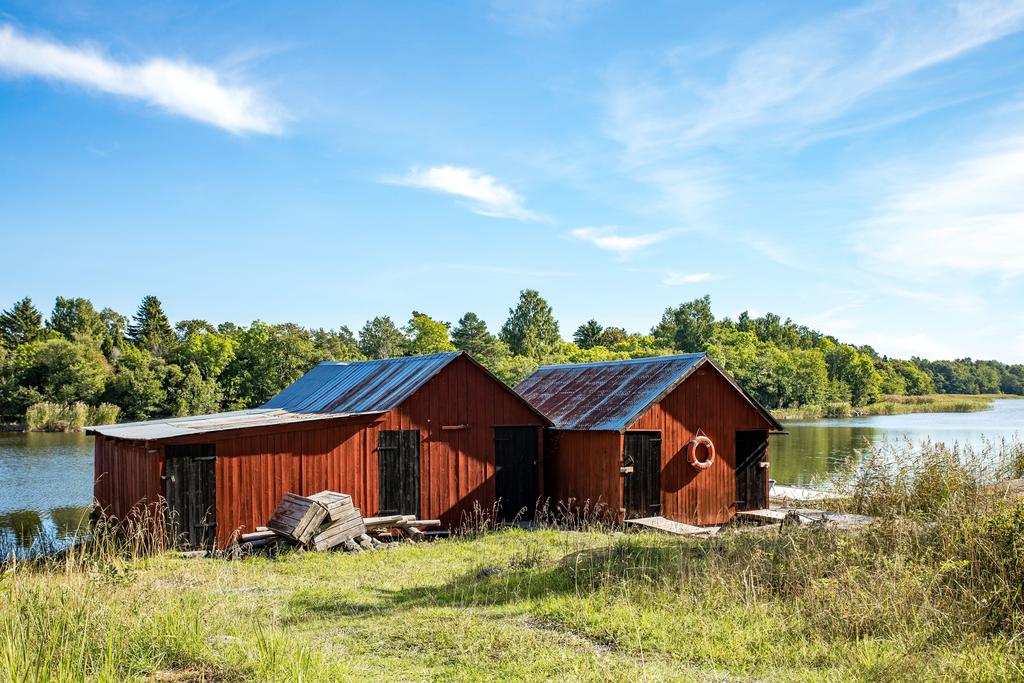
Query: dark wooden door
[[516, 475], [751, 477], [190, 487], [641, 489], [398, 467]]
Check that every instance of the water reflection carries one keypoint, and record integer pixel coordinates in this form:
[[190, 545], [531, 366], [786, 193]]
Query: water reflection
[[46, 489], [23, 525], [815, 450]]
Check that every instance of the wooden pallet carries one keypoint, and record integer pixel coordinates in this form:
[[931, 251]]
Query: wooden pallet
[[298, 518]]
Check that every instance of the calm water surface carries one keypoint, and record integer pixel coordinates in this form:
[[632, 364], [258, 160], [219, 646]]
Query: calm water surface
[[816, 448], [46, 479], [45, 486]]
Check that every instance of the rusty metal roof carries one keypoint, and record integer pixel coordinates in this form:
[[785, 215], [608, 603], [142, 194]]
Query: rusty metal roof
[[329, 390], [612, 395]]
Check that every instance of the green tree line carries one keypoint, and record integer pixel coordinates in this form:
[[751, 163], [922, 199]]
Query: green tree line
[[149, 368]]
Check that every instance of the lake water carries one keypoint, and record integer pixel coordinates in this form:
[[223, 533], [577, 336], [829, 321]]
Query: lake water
[[815, 448], [46, 479], [45, 486]]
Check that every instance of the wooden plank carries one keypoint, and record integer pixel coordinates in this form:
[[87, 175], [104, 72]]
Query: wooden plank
[[383, 522], [412, 523], [672, 527], [763, 516]]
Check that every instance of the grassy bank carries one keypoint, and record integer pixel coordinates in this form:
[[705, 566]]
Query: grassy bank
[[931, 591], [894, 405]]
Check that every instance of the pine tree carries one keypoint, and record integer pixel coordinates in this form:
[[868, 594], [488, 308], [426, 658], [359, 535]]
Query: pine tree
[[151, 329], [531, 329], [471, 335], [21, 324], [588, 335]]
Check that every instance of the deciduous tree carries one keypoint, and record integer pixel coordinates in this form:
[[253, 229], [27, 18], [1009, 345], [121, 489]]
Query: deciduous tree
[[380, 338]]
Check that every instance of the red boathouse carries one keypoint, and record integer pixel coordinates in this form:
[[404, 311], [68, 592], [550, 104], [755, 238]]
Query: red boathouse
[[423, 435], [672, 436]]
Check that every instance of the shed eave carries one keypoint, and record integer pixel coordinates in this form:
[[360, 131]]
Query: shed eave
[[162, 431]]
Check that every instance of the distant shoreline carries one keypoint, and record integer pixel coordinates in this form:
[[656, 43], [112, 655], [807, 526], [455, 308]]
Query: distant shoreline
[[894, 405], [888, 405]]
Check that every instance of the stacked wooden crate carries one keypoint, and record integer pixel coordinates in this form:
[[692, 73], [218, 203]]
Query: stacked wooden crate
[[344, 521], [328, 520], [297, 518]]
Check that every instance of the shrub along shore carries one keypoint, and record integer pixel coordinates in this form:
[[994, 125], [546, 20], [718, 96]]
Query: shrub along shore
[[894, 405], [930, 591]]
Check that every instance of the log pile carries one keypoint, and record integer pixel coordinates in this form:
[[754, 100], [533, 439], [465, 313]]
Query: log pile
[[328, 520]]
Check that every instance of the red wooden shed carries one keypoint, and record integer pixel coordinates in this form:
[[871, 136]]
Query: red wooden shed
[[423, 435], [622, 435]]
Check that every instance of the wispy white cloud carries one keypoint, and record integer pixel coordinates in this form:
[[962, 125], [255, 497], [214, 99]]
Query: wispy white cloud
[[540, 16], [609, 239], [179, 87], [966, 219], [487, 196], [793, 80], [673, 279]]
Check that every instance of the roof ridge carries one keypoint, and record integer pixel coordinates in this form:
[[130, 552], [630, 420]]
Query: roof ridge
[[393, 358], [649, 359]]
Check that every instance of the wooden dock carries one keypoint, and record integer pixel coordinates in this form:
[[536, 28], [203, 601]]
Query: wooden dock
[[805, 516], [797, 494], [672, 527]]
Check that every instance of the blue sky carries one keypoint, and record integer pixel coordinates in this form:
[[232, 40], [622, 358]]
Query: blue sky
[[857, 167]]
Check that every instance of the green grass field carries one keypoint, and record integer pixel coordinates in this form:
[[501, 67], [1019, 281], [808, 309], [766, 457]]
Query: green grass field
[[931, 591]]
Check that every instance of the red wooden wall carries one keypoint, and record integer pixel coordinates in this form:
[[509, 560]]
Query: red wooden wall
[[126, 474], [256, 467], [708, 402], [584, 469]]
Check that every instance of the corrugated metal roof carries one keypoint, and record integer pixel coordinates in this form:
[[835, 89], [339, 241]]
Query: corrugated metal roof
[[612, 395], [360, 387], [201, 424], [330, 390]]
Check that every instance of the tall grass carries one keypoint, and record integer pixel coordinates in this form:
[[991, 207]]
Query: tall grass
[[68, 417], [941, 566], [931, 590]]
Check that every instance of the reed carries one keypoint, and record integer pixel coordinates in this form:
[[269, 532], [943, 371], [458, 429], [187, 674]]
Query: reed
[[68, 417]]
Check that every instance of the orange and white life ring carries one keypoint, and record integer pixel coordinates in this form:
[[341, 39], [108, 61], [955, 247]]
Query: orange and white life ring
[[697, 442]]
